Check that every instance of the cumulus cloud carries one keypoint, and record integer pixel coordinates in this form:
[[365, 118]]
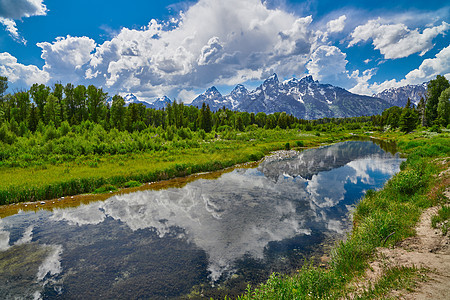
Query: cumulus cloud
[[327, 63], [19, 73], [11, 10], [397, 40], [336, 25], [66, 55]]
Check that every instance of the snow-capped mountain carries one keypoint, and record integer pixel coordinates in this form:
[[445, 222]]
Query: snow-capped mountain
[[399, 96], [161, 102], [212, 97], [130, 98], [304, 98]]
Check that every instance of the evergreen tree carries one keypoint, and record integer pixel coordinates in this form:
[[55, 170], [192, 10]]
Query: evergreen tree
[[33, 118], [408, 120]]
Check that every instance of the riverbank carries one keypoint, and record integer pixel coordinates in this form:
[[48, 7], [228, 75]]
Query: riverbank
[[86, 174], [383, 219]]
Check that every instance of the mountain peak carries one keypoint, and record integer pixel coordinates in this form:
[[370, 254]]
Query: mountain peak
[[307, 79], [271, 80]]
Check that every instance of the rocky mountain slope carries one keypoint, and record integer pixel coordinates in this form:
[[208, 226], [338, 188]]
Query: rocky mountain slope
[[304, 98], [399, 96]]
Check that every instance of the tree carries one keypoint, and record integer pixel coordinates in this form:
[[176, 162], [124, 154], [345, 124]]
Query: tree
[[443, 108], [118, 112], [3, 87], [79, 99], [421, 111], [39, 93], [205, 118], [408, 120], [22, 103], [434, 90], [96, 101], [52, 111], [58, 90]]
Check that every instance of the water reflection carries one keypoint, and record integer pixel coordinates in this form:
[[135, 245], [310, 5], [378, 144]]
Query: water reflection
[[248, 214]]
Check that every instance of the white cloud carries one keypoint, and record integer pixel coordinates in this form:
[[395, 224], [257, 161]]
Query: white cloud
[[11, 27], [21, 74], [327, 63], [66, 55], [336, 25], [18, 9], [397, 40], [429, 69], [362, 86], [11, 10]]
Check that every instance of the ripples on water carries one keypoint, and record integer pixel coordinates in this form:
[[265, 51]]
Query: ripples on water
[[168, 243]]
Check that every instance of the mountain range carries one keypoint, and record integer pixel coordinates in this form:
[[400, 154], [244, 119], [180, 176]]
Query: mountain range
[[399, 96], [304, 98]]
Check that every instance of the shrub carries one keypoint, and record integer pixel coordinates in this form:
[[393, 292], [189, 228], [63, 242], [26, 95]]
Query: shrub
[[131, 183]]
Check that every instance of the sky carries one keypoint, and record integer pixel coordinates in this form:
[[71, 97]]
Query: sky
[[181, 48]]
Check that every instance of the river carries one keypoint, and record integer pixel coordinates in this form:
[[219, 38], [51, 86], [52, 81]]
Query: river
[[209, 237]]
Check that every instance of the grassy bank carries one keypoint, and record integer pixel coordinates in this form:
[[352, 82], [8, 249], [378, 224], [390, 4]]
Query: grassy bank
[[86, 174], [381, 219]]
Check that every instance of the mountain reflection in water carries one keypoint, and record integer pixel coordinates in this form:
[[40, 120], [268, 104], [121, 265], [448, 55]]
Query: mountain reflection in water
[[161, 243]]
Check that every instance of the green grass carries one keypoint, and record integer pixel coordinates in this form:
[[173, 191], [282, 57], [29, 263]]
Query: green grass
[[442, 220]]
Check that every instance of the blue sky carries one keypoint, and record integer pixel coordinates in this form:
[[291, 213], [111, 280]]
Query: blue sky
[[180, 48]]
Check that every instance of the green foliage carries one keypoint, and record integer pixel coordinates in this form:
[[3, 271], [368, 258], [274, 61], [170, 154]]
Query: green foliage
[[106, 188], [132, 183], [434, 90], [408, 120], [443, 108]]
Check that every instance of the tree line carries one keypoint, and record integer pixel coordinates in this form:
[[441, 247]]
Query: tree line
[[66, 106]]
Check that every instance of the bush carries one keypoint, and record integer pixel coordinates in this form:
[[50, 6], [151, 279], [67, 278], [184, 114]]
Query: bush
[[106, 188], [131, 183]]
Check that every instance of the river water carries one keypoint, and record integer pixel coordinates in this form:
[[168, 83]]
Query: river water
[[208, 238]]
